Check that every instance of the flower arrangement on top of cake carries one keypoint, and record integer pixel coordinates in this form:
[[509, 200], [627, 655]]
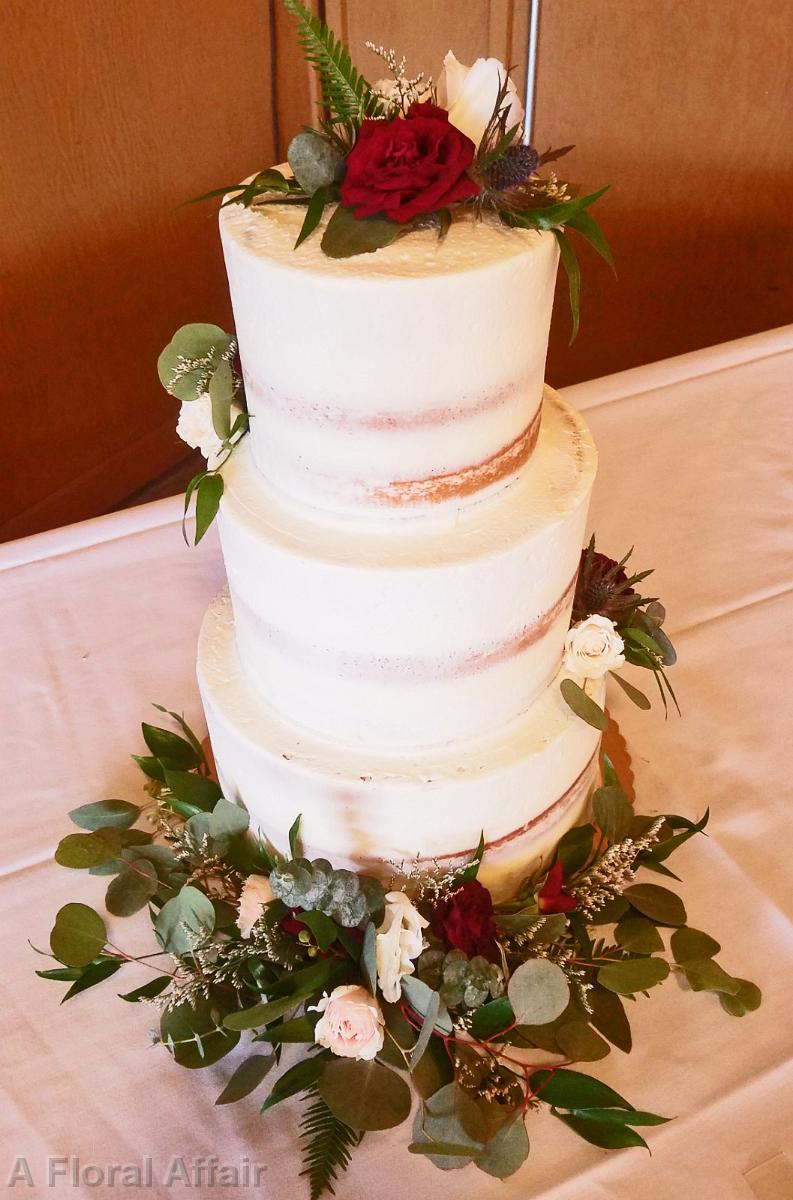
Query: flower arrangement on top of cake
[[403, 154]]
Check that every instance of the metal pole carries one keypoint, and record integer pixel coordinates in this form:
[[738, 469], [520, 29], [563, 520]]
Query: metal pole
[[531, 71]]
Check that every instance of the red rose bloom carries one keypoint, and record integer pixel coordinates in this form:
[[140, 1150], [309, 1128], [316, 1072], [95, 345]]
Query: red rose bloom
[[552, 897], [465, 921], [413, 164]]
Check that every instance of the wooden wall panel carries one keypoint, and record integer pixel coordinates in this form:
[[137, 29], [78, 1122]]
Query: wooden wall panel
[[114, 113], [685, 108]]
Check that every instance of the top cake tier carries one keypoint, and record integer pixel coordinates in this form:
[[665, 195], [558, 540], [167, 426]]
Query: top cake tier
[[396, 382]]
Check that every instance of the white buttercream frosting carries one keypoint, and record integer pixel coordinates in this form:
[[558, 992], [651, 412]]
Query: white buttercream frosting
[[410, 633], [381, 381]]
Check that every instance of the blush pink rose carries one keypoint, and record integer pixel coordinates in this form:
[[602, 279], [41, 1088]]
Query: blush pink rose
[[256, 892], [351, 1024]]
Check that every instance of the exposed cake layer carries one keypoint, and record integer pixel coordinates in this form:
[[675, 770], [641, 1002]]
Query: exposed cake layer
[[396, 381], [523, 787], [415, 633]]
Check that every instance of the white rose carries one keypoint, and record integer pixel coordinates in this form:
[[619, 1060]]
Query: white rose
[[351, 1024], [592, 648], [195, 427], [256, 892], [399, 941], [470, 94]]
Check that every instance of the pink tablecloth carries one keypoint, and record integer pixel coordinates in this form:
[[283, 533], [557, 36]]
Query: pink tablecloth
[[100, 618]]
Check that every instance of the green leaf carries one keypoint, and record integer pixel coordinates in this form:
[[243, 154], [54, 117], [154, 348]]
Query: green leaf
[[633, 975], [612, 811], [208, 496], [610, 778], [197, 790], [316, 163], [657, 903], [705, 975], [193, 1036], [688, 944], [633, 693], [78, 936], [538, 992], [247, 1077], [618, 1116], [61, 974], [227, 820], [747, 999], [82, 850], [184, 920], [150, 766], [427, 1027], [573, 272], [574, 849], [347, 235], [104, 813], [572, 1089], [433, 1070], [446, 1149], [302, 1075], [365, 1095], [602, 1133], [328, 1144], [492, 1018], [585, 224], [132, 888], [583, 705], [262, 1014], [94, 973], [314, 210], [299, 1029], [324, 929], [437, 1125], [171, 749], [638, 935], [611, 912], [200, 344], [505, 1153], [369, 957], [580, 1043], [147, 991], [608, 1017], [294, 833], [554, 216], [471, 871], [221, 395], [420, 998]]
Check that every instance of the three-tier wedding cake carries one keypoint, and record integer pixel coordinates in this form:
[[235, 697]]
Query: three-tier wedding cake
[[401, 532]]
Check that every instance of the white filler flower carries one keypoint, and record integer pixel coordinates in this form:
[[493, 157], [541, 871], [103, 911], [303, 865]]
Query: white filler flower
[[399, 941], [470, 93], [592, 648]]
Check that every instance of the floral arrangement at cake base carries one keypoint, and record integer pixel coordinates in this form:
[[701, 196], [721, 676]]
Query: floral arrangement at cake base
[[419, 989]]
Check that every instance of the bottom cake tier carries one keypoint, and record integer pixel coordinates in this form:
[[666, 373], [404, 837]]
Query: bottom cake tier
[[388, 813]]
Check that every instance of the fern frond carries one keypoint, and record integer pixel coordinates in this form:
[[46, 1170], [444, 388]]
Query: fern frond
[[328, 1145], [347, 96]]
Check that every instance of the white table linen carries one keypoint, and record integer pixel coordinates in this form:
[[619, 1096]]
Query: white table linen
[[98, 619]]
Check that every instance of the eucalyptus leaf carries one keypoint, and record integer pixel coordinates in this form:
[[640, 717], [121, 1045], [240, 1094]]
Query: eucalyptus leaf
[[427, 1027], [247, 1077], [221, 395], [314, 160], [227, 820], [608, 1017], [538, 992], [437, 1124], [104, 813], [420, 998], [299, 1029], [193, 1036], [638, 935], [302, 1075], [505, 1153], [574, 848], [657, 903], [688, 944], [583, 705], [184, 920], [369, 957], [705, 975], [633, 693], [747, 999], [261, 1015], [347, 235], [612, 811], [633, 975], [132, 888], [365, 1094], [198, 344], [78, 936], [580, 1043], [82, 850]]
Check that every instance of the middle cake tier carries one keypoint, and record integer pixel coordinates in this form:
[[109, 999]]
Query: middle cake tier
[[417, 633]]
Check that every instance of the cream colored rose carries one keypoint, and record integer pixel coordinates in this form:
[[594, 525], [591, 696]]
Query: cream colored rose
[[256, 892], [351, 1024], [196, 429], [399, 941], [592, 648], [470, 94]]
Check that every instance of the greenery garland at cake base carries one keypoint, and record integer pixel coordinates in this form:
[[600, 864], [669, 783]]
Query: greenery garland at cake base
[[486, 1011]]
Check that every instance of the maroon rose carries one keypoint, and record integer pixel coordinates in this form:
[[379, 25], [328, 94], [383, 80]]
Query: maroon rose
[[413, 164], [464, 920], [552, 897]]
